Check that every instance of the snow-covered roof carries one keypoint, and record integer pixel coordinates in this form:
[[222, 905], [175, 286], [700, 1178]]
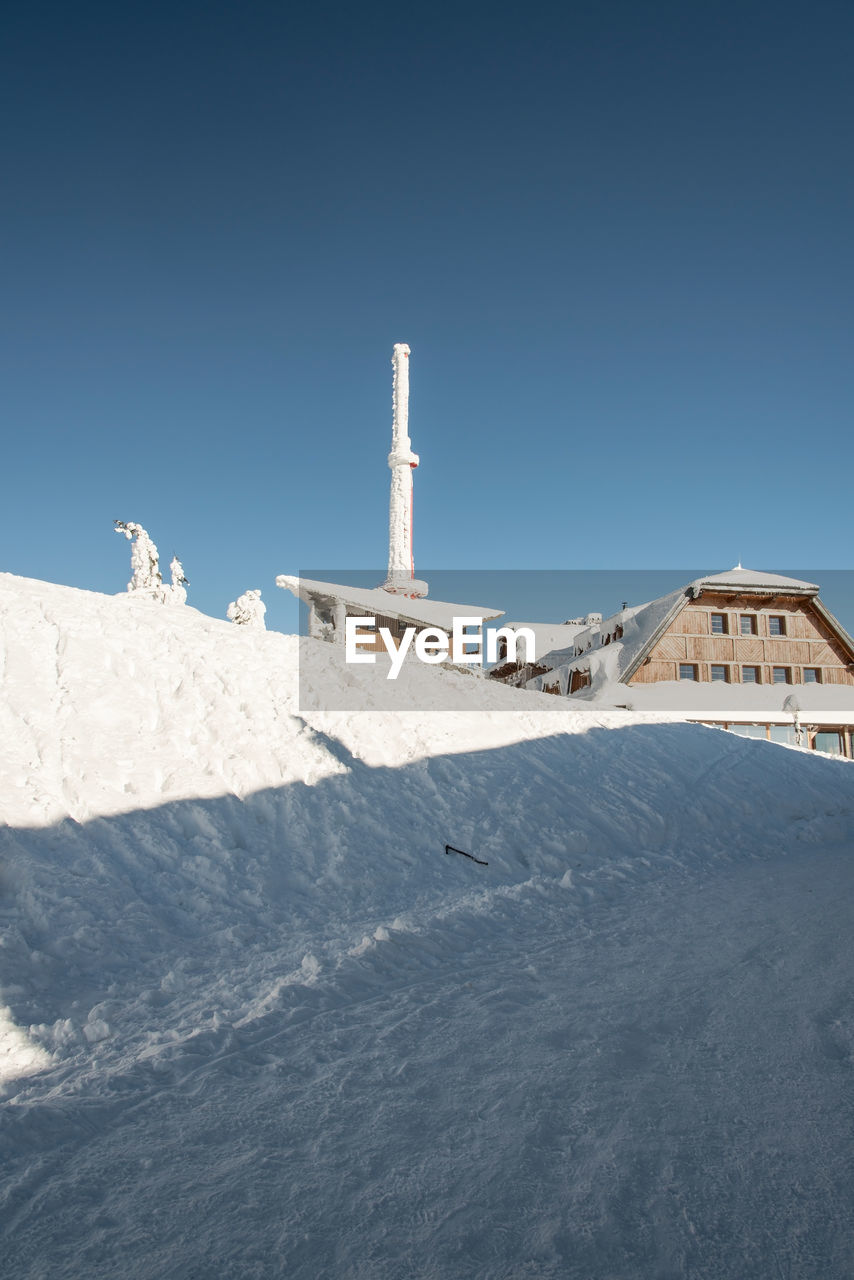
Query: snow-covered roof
[[376, 601], [550, 636], [639, 625], [749, 580]]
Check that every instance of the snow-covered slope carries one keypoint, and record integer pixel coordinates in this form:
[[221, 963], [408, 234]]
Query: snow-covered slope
[[113, 703], [259, 1023]]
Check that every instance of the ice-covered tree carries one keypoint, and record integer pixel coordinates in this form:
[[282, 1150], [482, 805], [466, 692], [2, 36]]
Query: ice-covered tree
[[793, 707], [248, 610], [145, 565], [177, 593], [144, 560]]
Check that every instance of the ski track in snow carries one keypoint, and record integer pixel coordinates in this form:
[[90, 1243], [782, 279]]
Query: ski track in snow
[[260, 1024]]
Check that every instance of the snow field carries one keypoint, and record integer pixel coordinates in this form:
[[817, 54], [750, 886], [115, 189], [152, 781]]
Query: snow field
[[260, 1024]]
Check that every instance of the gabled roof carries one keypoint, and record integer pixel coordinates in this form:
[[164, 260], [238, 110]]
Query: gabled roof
[[374, 601]]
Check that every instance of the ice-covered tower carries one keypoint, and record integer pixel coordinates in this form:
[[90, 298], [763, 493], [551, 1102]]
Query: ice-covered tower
[[401, 577]]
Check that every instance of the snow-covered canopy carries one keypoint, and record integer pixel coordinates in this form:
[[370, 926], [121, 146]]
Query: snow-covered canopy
[[373, 602]]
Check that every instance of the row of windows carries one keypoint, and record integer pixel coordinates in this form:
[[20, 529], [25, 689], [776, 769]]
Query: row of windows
[[835, 742], [749, 675], [747, 624]]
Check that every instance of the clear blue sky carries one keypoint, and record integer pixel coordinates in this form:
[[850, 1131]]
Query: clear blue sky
[[617, 237]]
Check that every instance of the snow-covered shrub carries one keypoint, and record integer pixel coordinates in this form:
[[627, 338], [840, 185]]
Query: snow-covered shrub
[[177, 593], [248, 610]]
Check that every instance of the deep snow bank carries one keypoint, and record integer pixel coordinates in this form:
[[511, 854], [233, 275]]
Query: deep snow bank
[[113, 703], [200, 889], [174, 825]]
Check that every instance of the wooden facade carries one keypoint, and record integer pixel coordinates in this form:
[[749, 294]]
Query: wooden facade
[[771, 633]]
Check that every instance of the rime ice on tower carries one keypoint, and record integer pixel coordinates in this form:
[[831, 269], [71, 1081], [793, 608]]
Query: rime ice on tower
[[248, 610], [401, 579]]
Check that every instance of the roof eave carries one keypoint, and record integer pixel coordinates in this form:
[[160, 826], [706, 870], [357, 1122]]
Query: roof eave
[[330, 593], [835, 626], [678, 606], [747, 589]]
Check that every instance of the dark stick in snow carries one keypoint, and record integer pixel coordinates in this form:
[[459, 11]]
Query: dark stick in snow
[[449, 848]]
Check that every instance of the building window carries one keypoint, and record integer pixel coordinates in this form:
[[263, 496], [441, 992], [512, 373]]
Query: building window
[[687, 671], [719, 671], [719, 624], [747, 622], [776, 625], [749, 730], [750, 675], [783, 733], [781, 675], [579, 680], [812, 675]]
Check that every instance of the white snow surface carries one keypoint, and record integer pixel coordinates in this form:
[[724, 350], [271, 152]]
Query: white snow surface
[[255, 1022]]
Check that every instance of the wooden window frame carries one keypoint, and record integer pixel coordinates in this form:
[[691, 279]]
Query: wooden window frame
[[787, 672], [777, 617], [817, 673], [694, 667], [722, 666], [750, 619], [751, 666], [724, 631]]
